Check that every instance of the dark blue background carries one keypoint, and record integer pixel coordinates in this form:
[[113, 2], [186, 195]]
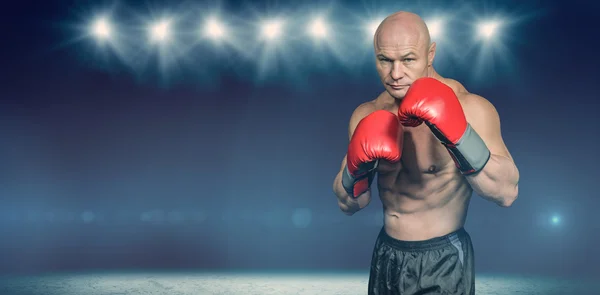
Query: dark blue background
[[234, 156]]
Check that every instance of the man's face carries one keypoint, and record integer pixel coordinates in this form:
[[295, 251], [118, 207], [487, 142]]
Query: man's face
[[400, 61]]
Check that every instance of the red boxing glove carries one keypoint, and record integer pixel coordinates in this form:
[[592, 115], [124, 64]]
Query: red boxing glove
[[377, 136], [431, 101]]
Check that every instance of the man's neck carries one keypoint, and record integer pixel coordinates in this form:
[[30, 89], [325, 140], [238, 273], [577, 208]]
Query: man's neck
[[431, 72]]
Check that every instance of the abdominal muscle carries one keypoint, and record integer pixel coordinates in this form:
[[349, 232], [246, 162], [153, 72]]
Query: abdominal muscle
[[424, 195], [424, 205]]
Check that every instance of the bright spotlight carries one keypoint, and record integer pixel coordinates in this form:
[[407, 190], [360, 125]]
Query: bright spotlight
[[101, 28], [318, 28], [372, 27], [488, 29], [272, 29], [214, 29], [160, 31], [435, 28]]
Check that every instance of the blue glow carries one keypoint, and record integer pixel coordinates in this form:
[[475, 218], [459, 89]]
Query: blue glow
[[302, 217], [88, 216]]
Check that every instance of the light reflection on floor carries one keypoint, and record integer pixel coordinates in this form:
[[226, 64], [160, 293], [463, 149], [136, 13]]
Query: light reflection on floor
[[260, 283]]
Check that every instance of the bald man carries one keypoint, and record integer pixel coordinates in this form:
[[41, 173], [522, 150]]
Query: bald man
[[431, 143]]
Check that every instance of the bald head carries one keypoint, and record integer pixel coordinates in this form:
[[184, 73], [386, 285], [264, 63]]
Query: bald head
[[404, 52], [402, 28]]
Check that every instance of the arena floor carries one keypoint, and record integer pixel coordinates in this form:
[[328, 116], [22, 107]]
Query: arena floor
[[249, 283]]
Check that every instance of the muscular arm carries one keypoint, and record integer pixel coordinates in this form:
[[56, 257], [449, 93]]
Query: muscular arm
[[498, 181], [347, 204]]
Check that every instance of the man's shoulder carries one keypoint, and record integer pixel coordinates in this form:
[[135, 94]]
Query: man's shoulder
[[458, 87], [368, 107], [474, 101], [360, 112], [477, 108], [466, 98]]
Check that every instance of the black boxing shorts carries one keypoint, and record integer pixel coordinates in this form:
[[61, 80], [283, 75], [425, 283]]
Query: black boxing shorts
[[442, 265]]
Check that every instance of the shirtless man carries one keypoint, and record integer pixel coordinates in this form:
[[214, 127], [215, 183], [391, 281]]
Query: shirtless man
[[431, 143]]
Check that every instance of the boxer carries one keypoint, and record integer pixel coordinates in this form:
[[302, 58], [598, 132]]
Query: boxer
[[431, 144]]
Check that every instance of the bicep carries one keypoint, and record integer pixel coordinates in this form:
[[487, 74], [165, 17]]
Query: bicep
[[485, 120], [357, 115], [354, 120]]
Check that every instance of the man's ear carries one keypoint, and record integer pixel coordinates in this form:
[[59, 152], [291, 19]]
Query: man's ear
[[431, 54]]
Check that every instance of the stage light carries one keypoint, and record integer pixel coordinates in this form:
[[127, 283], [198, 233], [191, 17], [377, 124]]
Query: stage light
[[435, 27], [101, 28], [318, 28], [488, 33], [214, 29], [488, 29], [372, 27], [160, 31], [272, 29]]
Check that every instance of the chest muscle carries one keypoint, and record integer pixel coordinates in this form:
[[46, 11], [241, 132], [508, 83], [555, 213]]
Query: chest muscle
[[422, 153]]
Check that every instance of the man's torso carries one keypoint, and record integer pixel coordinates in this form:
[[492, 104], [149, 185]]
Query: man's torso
[[424, 195]]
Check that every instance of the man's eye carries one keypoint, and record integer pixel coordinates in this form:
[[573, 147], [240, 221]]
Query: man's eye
[[409, 59]]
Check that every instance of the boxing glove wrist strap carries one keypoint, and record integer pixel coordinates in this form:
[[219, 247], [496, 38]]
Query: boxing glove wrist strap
[[470, 152], [349, 181]]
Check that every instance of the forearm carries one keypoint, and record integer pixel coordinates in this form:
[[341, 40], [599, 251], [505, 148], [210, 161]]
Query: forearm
[[497, 181], [348, 204]]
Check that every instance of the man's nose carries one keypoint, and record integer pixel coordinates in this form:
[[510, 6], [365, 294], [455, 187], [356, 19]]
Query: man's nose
[[397, 71]]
